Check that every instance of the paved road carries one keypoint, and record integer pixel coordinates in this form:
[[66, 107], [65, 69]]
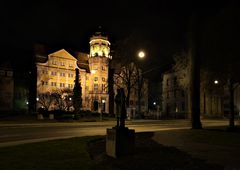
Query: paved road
[[14, 134]]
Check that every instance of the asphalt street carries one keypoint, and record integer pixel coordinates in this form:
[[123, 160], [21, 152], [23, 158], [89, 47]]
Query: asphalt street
[[19, 133]]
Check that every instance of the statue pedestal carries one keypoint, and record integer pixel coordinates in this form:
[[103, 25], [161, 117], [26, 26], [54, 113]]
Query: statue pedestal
[[120, 142]]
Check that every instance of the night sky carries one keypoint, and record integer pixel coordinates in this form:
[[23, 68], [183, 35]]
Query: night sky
[[159, 27]]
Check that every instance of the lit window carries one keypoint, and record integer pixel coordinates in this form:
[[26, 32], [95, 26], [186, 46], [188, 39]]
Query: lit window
[[54, 62], [70, 75], [53, 84], [62, 63], [53, 73], [95, 87], [62, 74], [103, 79], [62, 85], [95, 79]]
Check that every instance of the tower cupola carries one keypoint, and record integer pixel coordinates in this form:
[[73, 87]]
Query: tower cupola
[[99, 46]]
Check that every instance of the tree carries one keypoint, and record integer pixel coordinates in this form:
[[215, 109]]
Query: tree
[[45, 100], [127, 79], [77, 93], [221, 49]]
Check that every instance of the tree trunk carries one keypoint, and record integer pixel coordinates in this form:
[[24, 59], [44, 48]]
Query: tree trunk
[[231, 104], [128, 95], [194, 75]]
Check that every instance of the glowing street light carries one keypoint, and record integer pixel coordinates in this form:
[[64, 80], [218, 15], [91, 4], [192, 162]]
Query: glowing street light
[[215, 81], [141, 54]]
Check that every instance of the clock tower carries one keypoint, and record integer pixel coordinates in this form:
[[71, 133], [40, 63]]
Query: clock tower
[[99, 58]]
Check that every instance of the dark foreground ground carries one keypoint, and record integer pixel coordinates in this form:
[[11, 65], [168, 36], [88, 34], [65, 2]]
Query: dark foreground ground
[[148, 155]]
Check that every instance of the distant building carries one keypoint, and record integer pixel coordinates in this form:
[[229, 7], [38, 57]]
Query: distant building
[[56, 73], [6, 87], [174, 97]]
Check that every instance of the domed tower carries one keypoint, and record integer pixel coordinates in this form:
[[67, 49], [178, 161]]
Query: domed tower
[[99, 58]]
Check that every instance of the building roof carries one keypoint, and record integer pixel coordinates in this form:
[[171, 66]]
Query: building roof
[[82, 61]]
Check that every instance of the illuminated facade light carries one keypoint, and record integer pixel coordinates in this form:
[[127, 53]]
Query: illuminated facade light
[[37, 99], [215, 81], [93, 71], [154, 103]]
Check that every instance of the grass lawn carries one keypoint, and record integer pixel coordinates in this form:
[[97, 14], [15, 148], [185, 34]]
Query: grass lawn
[[57, 154], [89, 153]]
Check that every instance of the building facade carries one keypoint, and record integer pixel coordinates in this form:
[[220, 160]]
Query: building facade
[[56, 74], [6, 87], [174, 97]]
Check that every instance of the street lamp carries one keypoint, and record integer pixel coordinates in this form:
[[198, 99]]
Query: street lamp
[[141, 54], [215, 81]]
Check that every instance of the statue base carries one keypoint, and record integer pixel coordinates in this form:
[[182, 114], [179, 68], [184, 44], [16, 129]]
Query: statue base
[[120, 141]]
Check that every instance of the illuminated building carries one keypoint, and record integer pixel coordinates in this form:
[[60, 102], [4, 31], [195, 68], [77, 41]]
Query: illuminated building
[[57, 73]]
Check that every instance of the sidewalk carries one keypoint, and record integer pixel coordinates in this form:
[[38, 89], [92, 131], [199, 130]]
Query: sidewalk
[[213, 146], [175, 150]]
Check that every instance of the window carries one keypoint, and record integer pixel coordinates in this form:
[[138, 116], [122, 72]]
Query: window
[[175, 81], [53, 73], [95, 87], [103, 87], [70, 75], [44, 72], [131, 102], [103, 68], [70, 65], [103, 79], [53, 84], [62, 74], [70, 86], [54, 62], [175, 93], [62, 63], [95, 79], [62, 85]]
